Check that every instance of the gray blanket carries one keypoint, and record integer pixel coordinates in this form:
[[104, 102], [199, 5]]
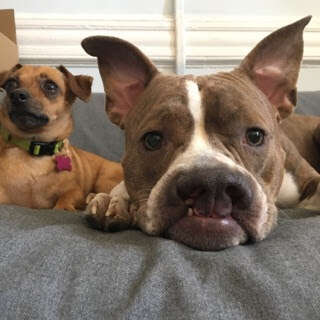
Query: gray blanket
[[52, 266]]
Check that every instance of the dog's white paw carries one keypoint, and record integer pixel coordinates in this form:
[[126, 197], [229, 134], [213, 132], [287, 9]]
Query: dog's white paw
[[109, 212], [97, 204]]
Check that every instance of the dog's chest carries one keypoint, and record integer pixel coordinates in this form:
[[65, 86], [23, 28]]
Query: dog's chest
[[30, 181]]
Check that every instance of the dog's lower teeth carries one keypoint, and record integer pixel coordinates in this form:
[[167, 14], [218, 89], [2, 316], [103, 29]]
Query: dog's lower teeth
[[190, 212]]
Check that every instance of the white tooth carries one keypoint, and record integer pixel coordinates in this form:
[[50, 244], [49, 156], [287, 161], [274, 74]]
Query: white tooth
[[190, 212]]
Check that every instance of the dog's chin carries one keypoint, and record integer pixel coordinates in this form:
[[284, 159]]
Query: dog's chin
[[28, 121], [207, 233]]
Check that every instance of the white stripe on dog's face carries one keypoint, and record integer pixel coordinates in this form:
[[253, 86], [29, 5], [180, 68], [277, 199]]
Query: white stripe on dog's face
[[198, 152], [199, 145]]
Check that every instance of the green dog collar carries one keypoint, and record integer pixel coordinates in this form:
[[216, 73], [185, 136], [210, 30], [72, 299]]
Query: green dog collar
[[35, 148]]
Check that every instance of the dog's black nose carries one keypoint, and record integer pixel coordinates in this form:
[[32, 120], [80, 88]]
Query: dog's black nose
[[19, 96], [214, 191]]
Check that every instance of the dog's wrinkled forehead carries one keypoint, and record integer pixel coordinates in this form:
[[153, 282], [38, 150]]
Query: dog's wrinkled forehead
[[32, 76], [230, 99], [224, 100], [164, 101]]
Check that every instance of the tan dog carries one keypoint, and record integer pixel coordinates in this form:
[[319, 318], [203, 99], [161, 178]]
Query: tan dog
[[206, 161], [38, 166], [304, 131]]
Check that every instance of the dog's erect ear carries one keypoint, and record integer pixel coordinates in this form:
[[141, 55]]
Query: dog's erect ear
[[79, 85], [274, 64], [5, 74], [125, 72]]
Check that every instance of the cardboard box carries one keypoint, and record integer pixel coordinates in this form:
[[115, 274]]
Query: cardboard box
[[9, 55]]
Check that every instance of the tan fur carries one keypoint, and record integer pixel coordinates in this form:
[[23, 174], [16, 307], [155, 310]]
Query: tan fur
[[34, 181], [303, 132]]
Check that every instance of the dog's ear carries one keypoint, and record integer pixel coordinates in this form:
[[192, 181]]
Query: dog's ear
[[125, 72], [5, 74], [79, 85], [274, 64]]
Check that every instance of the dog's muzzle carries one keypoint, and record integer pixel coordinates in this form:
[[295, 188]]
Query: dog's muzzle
[[23, 111], [214, 193], [223, 208]]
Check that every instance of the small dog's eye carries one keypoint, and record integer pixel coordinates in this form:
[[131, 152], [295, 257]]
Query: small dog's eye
[[50, 86], [10, 85], [255, 137], [152, 140]]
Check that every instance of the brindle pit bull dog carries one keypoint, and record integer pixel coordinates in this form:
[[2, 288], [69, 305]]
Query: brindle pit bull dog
[[38, 166], [206, 161]]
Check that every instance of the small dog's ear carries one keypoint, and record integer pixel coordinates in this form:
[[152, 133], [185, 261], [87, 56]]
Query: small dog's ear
[[16, 67], [125, 72], [79, 85], [274, 64], [5, 74]]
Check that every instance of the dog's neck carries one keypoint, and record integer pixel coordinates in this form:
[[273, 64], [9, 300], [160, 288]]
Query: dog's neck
[[35, 148]]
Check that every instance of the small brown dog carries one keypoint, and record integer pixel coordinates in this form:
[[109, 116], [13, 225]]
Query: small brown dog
[[304, 131], [38, 166]]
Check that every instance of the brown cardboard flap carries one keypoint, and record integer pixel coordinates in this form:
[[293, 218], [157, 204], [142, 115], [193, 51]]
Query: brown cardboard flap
[[8, 53], [7, 24], [8, 49]]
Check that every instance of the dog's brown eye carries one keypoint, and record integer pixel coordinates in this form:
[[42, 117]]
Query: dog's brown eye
[[255, 137], [50, 86], [10, 85], [152, 140]]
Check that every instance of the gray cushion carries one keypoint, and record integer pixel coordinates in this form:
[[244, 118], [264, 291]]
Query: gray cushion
[[93, 130], [52, 266], [309, 103]]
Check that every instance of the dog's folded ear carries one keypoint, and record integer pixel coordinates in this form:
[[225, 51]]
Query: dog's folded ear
[[125, 72], [5, 74], [79, 85], [274, 64]]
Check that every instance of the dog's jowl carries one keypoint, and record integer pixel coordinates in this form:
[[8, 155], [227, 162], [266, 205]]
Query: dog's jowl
[[205, 155]]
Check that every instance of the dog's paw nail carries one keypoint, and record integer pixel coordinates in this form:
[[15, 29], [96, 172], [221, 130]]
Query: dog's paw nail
[[110, 213], [90, 197]]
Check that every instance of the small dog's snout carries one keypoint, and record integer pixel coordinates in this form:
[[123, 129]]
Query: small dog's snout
[[19, 96], [214, 190], [25, 111]]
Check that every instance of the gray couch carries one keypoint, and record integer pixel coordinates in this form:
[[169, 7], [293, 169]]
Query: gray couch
[[53, 266]]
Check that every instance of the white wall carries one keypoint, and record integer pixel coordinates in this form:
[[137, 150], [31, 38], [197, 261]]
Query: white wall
[[90, 6], [212, 7], [218, 33], [254, 7]]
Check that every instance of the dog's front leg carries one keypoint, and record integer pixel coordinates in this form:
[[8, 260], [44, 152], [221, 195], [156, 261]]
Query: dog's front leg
[[3, 196], [300, 186], [71, 200], [110, 212]]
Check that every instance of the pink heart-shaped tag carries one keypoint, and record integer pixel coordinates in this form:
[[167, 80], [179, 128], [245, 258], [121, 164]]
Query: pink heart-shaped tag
[[63, 163]]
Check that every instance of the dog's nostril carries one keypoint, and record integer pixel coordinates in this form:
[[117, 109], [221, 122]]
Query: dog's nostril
[[234, 192], [240, 195], [22, 97], [19, 96]]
